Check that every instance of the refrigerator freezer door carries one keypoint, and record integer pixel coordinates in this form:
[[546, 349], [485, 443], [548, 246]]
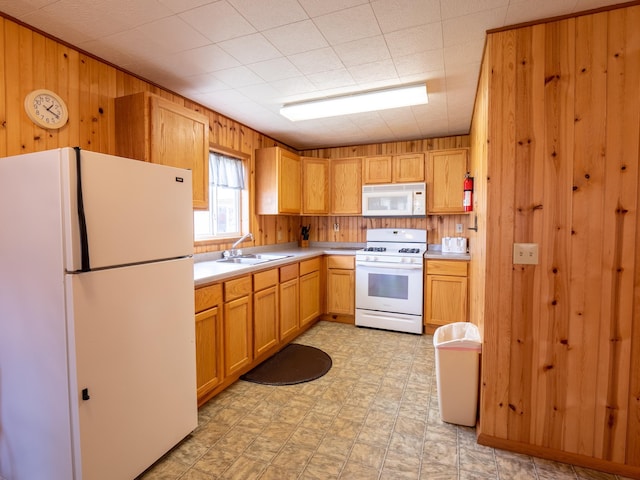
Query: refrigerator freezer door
[[135, 211], [133, 333]]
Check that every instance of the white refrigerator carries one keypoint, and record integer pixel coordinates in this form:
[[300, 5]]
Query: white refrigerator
[[97, 341]]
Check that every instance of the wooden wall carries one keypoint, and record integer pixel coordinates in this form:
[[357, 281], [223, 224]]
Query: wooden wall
[[561, 354], [31, 60], [437, 226]]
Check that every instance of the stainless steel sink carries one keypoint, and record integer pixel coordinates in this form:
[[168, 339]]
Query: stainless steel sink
[[252, 259]]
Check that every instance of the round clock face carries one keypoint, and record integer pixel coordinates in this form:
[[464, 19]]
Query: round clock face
[[46, 109]]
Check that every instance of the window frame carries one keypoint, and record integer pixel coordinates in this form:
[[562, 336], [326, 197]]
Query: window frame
[[245, 207]]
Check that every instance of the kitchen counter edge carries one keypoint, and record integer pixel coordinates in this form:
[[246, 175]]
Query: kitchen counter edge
[[211, 271]]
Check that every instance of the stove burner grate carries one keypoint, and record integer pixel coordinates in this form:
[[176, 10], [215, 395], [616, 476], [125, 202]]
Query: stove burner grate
[[409, 250], [375, 249]]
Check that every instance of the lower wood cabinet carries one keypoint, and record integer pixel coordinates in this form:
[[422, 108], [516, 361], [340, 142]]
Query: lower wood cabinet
[[341, 284], [289, 302], [208, 307], [237, 325], [266, 333], [445, 299], [310, 290], [241, 322]]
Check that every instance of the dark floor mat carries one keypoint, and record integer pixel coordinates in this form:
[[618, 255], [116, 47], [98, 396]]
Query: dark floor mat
[[293, 364]]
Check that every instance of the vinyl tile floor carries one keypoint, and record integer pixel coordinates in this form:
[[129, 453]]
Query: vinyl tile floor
[[374, 415]]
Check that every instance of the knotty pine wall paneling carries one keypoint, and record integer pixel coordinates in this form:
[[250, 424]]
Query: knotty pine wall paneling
[[560, 357]]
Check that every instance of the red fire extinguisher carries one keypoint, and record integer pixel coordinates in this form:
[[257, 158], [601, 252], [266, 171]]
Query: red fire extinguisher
[[467, 201]]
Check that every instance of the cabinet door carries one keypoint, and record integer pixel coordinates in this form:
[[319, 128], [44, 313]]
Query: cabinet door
[[289, 311], [446, 299], [265, 320], [180, 138], [341, 291], [377, 170], [346, 186], [446, 170], [208, 350], [237, 334], [277, 181], [309, 297], [289, 183], [408, 168], [315, 186]]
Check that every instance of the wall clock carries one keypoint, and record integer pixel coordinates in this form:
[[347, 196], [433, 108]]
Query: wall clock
[[46, 109]]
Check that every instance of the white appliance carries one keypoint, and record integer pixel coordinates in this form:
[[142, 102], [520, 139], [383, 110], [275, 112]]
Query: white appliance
[[454, 245], [389, 280], [394, 200], [97, 342]]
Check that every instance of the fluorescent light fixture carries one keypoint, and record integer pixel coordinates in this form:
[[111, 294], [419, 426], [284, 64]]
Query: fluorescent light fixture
[[357, 103]]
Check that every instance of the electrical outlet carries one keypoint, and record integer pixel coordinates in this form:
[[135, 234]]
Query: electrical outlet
[[458, 228], [336, 227], [525, 253]]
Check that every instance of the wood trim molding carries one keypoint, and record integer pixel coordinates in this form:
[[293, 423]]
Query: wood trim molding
[[559, 456]]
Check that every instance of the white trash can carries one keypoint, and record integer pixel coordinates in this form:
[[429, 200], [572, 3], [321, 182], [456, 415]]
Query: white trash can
[[458, 348]]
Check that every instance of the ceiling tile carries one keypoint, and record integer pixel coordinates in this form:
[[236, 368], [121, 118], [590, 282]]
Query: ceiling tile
[[347, 25], [277, 12], [332, 79], [322, 60], [315, 8], [459, 8], [296, 37], [211, 57], [376, 71], [276, 69], [420, 63], [238, 77], [519, 12], [250, 48], [472, 27], [173, 34], [178, 6], [416, 39], [218, 21], [289, 87], [463, 53], [395, 15], [365, 50]]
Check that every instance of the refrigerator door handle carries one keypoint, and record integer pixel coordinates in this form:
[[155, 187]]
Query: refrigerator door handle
[[82, 221]]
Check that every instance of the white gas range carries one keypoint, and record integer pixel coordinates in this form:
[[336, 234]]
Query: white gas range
[[389, 280]]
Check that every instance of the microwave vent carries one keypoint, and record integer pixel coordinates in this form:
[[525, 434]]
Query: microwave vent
[[393, 187]]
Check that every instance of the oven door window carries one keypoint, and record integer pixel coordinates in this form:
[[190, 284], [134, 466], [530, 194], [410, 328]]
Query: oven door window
[[389, 286]]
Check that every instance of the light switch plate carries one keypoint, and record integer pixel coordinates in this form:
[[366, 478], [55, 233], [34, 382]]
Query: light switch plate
[[525, 253], [458, 228]]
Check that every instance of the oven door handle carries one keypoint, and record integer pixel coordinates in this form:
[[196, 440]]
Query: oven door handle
[[389, 266]]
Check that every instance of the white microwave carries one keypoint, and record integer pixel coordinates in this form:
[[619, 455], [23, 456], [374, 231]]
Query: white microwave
[[394, 200]]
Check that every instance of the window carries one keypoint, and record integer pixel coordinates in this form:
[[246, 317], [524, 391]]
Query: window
[[226, 199]]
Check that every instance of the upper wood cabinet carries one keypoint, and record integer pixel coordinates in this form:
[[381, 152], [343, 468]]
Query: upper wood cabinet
[[278, 176], [156, 130], [346, 186], [445, 174], [315, 186], [403, 168]]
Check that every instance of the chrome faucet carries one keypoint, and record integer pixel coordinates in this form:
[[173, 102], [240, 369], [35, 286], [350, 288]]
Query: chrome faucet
[[234, 252]]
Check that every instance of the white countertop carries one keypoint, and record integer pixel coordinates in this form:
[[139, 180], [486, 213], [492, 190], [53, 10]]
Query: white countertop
[[207, 270]]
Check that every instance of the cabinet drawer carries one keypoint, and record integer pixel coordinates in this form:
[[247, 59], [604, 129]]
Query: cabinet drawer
[[308, 266], [447, 267], [266, 279], [288, 272], [207, 297], [341, 261], [237, 288]]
